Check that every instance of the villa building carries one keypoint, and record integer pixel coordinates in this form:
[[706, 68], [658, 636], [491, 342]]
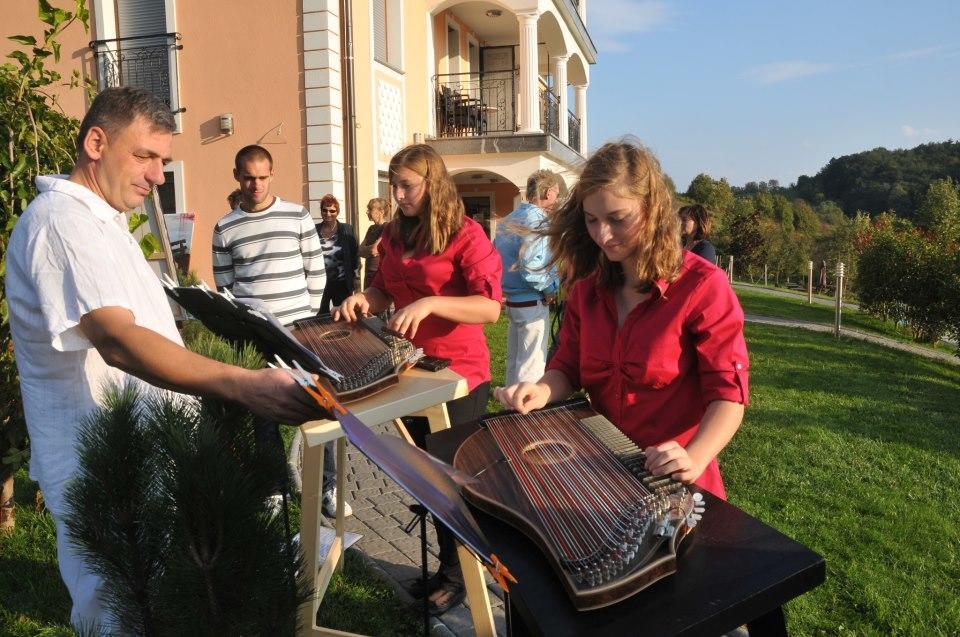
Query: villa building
[[332, 88]]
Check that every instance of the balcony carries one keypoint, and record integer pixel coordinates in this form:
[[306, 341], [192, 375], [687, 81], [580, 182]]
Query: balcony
[[485, 105], [145, 61]]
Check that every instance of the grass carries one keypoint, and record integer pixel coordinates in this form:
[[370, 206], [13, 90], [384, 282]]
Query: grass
[[797, 308], [850, 448], [854, 450]]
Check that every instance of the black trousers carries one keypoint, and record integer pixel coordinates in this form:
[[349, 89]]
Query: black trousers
[[334, 294], [461, 411]]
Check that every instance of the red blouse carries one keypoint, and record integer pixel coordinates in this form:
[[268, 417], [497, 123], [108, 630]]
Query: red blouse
[[470, 265], [676, 352]]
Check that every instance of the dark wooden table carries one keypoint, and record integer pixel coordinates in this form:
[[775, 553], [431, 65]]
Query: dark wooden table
[[733, 570]]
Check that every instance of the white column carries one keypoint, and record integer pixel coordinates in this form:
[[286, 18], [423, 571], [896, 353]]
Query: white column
[[580, 110], [560, 86], [529, 97]]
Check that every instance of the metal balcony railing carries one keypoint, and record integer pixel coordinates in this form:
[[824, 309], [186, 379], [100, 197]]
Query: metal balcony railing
[[143, 61], [573, 131], [549, 112], [474, 104]]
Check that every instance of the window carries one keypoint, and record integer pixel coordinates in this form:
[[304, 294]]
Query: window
[[453, 49], [386, 32], [139, 47]]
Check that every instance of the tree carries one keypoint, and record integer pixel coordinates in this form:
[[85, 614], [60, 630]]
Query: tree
[[716, 195], [747, 243], [805, 220], [36, 138], [939, 211]]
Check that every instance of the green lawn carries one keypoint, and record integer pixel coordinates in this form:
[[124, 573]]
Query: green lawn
[[850, 448], [797, 308]]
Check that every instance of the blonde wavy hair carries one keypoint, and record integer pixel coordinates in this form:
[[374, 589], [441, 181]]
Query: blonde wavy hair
[[627, 169], [442, 215]]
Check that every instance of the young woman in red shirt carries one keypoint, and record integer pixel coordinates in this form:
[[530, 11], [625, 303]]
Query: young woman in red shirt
[[441, 272], [651, 332]]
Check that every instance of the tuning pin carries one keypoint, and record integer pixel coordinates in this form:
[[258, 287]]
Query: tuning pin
[[697, 497]]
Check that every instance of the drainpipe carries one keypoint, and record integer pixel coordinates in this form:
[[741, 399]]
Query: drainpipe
[[349, 113]]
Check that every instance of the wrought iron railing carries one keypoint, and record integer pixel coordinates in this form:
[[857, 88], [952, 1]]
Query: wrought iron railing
[[549, 112], [474, 104], [144, 61], [573, 131]]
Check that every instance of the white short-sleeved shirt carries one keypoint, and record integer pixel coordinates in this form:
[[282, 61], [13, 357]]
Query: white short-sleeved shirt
[[69, 254]]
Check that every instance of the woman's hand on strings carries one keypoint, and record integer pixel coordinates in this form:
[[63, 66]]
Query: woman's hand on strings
[[407, 320], [354, 307], [523, 397], [670, 458]]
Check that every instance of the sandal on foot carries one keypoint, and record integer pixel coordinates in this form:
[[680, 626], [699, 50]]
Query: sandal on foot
[[420, 588], [455, 595]]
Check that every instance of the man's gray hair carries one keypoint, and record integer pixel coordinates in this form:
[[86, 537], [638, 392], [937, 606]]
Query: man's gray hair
[[540, 182], [115, 108]]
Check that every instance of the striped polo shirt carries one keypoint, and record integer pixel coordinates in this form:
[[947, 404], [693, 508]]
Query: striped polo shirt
[[274, 256]]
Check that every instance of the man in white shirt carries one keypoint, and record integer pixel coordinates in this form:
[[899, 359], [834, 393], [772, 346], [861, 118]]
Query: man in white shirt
[[85, 308]]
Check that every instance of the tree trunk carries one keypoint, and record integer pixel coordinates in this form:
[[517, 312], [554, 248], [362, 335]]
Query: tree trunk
[[8, 517]]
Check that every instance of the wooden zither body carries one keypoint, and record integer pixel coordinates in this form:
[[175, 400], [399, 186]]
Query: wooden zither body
[[575, 484], [367, 355]]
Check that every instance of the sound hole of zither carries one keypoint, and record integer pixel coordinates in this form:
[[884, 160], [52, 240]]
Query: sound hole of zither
[[335, 335], [547, 452]]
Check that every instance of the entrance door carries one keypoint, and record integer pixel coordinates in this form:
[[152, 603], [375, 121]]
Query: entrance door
[[478, 209]]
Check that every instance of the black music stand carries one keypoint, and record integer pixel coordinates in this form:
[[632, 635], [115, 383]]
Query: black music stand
[[733, 570], [246, 321]]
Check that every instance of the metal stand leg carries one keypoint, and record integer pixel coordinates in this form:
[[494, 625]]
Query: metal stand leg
[[420, 513]]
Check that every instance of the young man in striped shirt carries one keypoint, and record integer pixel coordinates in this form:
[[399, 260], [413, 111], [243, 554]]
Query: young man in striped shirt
[[268, 249]]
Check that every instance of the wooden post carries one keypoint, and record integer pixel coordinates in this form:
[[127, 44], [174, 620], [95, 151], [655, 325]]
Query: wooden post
[[8, 517], [810, 282], [730, 268], [839, 304]]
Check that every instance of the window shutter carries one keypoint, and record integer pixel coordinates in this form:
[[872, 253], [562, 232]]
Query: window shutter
[[380, 31], [141, 17]]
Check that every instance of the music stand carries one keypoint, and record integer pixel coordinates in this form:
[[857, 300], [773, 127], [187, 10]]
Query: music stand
[[246, 320]]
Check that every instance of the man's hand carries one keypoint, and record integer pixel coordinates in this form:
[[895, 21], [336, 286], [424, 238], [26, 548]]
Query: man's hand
[[273, 395], [269, 393]]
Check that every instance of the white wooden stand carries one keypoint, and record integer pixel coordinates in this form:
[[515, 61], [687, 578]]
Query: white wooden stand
[[419, 393]]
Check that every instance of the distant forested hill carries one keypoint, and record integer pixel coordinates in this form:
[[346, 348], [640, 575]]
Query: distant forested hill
[[878, 180]]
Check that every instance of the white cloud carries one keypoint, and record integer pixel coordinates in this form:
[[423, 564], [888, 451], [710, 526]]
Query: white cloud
[[612, 23], [918, 53], [912, 131], [783, 71]]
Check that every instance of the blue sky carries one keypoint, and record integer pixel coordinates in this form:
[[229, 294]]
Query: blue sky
[[754, 90]]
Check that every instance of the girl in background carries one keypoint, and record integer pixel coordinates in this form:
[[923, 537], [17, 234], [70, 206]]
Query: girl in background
[[651, 332], [441, 272], [695, 232]]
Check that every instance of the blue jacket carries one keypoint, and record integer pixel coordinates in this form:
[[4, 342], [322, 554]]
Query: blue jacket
[[524, 277]]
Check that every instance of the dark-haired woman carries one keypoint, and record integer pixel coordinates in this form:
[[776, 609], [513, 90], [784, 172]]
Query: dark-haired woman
[[695, 232]]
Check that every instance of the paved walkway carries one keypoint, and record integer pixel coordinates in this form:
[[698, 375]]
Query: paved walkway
[[381, 513]]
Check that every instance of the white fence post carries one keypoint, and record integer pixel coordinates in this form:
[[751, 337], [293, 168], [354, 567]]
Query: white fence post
[[764, 275], [839, 293], [809, 281], [730, 268]]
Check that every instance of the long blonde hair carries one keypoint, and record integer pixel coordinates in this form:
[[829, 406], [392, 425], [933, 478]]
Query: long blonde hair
[[442, 214], [628, 169]]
